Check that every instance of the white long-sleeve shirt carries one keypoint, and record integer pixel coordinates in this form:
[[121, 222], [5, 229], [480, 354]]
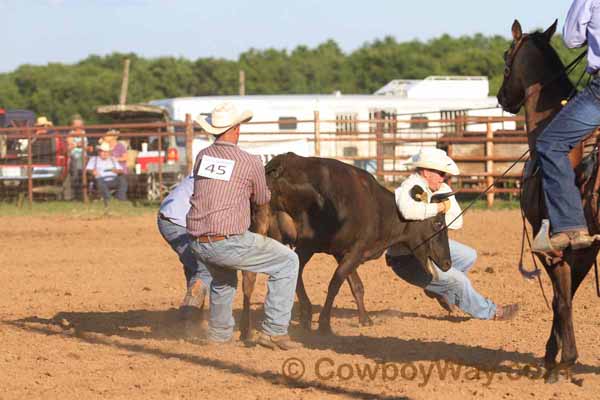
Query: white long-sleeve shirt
[[412, 209]]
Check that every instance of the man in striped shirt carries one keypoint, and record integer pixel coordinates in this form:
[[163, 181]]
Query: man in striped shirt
[[226, 180]]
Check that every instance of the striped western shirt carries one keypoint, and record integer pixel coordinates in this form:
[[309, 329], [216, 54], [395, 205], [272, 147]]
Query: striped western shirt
[[222, 207]]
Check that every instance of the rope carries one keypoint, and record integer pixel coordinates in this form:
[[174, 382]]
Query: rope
[[536, 272]]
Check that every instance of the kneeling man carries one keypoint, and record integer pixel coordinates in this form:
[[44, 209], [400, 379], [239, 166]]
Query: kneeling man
[[453, 287]]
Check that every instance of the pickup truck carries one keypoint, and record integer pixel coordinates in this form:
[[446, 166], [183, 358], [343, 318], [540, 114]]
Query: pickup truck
[[50, 160]]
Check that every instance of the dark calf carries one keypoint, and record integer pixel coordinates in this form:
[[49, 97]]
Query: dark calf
[[322, 205]]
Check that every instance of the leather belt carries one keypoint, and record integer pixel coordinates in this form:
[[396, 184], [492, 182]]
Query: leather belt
[[210, 238]]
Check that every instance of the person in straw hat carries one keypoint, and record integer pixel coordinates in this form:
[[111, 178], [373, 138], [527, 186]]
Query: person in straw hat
[[453, 287], [42, 124], [226, 181]]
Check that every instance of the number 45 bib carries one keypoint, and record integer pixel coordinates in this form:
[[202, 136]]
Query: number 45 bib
[[216, 168]]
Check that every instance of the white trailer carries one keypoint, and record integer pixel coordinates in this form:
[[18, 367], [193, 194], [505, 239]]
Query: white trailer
[[433, 98]]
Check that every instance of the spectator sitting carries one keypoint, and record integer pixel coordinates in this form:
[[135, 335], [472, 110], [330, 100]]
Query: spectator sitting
[[108, 174], [118, 149]]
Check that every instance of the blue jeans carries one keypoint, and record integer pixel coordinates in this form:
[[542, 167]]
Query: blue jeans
[[179, 240], [254, 253], [118, 183], [453, 284], [578, 118]]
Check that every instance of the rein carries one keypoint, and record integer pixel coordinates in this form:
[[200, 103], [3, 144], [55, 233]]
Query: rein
[[490, 187], [507, 72]]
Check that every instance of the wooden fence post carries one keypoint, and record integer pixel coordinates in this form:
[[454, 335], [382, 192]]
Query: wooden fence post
[[379, 143], [242, 83], [84, 160], [317, 134], [489, 163], [161, 156], [189, 142], [29, 169]]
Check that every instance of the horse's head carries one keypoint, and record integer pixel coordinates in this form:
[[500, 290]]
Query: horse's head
[[527, 61]]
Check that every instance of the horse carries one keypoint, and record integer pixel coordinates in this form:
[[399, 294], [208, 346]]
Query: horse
[[536, 79]]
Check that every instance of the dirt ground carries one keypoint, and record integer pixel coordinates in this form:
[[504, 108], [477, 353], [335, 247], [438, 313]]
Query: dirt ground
[[89, 310]]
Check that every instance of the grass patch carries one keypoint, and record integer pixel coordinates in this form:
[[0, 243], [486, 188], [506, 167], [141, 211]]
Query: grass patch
[[78, 209], [499, 204]]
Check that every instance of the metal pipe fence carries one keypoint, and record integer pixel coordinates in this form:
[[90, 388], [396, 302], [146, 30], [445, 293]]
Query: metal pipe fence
[[160, 153]]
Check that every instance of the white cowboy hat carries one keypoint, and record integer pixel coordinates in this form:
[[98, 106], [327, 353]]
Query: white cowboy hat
[[223, 117], [437, 159], [104, 147]]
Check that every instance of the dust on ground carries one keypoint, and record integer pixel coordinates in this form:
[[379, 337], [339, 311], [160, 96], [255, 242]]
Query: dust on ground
[[89, 310]]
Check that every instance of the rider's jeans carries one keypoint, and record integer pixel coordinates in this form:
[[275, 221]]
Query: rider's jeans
[[578, 118]]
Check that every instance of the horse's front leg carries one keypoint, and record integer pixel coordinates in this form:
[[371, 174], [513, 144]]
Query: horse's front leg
[[563, 334]]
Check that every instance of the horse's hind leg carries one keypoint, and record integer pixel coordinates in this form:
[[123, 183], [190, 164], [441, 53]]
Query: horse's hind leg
[[303, 300], [358, 291], [248, 283]]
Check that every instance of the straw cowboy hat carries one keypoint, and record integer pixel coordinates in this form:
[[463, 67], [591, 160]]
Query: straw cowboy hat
[[42, 121], [112, 133], [104, 147], [437, 159], [224, 117]]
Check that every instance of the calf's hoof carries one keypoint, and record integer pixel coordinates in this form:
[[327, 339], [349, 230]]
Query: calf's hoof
[[247, 336], [366, 321], [306, 323], [559, 374]]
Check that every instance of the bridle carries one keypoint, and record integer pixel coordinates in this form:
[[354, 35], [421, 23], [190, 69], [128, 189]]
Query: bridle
[[508, 61], [508, 68]]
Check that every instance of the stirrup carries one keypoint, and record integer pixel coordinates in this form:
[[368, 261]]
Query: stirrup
[[541, 242]]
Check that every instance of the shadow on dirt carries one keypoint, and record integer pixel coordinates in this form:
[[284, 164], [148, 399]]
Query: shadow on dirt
[[96, 328]]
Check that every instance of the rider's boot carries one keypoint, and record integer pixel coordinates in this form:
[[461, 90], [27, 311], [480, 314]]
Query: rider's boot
[[576, 239]]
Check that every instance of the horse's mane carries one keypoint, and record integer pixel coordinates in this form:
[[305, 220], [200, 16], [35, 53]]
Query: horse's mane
[[552, 57]]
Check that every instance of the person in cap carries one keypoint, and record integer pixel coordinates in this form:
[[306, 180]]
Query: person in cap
[[172, 226], [108, 174], [226, 181], [451, 288]]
